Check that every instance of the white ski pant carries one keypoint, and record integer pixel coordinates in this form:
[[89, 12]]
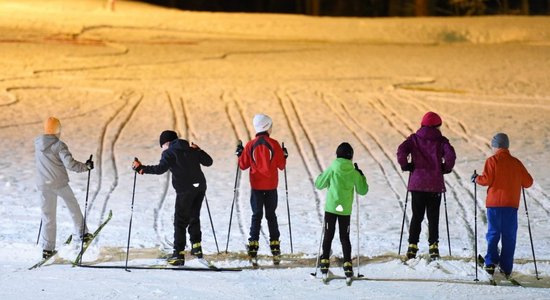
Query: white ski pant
[[49, 214]]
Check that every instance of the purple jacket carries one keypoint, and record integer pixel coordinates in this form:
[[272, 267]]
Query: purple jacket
[[431, 155]]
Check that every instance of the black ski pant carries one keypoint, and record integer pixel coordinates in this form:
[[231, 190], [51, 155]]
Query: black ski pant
[[187, 216], [258, 201], [330, 228], [429, 203]]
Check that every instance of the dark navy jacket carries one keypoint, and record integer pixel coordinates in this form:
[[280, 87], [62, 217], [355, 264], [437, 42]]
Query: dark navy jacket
[[185, 164]]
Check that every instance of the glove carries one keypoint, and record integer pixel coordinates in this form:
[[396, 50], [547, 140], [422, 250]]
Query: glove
[[137, 166], [285, 152], [239, 149], [474, 176], [90, 163], [408, 167], [359, 170]]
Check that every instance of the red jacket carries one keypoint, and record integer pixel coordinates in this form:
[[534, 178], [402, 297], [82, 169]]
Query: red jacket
[[505, 175], [263, 155]]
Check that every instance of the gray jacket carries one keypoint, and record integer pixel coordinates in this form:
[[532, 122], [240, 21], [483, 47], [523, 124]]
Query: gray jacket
[[53, 158]]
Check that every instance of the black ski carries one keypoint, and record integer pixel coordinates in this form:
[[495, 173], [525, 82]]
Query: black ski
[[95, 234], [43, 261]]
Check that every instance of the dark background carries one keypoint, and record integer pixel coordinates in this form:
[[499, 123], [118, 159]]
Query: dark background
[[370, 8]]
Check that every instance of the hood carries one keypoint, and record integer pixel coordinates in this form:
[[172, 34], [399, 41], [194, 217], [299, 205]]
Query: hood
[[429, 133], [45, 141], [343, 166], [180, 144]]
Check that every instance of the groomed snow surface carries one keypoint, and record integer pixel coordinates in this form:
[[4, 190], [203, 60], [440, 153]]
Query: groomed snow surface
[[117, 79]]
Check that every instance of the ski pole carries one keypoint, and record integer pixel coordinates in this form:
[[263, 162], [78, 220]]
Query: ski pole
[[211, 223], [288, 210], [447, 221], [85, 216], [319, 251], [475, 223], [39, 231], [131, 215], [530, 235], [358, 244], [404, 215], [235, 195]]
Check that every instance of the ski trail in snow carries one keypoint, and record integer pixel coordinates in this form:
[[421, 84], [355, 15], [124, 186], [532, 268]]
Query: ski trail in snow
[[303, 155], [102, 142], [113, 159]]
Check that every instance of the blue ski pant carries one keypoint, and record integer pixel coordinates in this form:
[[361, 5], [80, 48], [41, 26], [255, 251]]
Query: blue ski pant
[[258, 201], [503, 227]]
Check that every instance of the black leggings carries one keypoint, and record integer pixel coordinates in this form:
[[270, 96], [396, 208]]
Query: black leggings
[[429, 203], [330, 228], [187, 216]]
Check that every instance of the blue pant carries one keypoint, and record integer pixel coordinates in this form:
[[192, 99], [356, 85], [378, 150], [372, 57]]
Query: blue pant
[[502, 225], [259, 200]]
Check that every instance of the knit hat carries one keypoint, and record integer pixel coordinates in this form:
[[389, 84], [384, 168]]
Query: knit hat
[[167, 136], [52, 126], [262, 123], [344, 150], [431, 119], [500, 140]]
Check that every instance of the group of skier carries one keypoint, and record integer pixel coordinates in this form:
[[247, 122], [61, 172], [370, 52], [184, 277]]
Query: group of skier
[[426, 154]]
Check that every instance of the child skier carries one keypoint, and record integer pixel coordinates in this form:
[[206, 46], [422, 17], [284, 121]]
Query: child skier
[[505, 176], [431, 156], [53, 158], [263, 155], [341, 178], [184, 161]]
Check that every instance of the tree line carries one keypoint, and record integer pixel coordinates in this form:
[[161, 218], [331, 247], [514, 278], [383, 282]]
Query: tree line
[[368, 8]]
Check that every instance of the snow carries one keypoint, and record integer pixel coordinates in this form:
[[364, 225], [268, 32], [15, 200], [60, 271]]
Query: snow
[[117, 79]]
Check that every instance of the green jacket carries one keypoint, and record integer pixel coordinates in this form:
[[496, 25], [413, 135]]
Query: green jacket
[[341, 178]]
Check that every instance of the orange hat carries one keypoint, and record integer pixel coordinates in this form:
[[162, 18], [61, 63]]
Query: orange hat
[[52, 126]]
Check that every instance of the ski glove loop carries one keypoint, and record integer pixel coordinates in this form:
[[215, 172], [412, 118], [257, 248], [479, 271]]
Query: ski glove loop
[[137, 166]]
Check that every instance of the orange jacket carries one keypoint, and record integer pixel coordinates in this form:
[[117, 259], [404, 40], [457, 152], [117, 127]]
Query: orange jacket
[[505, 175]]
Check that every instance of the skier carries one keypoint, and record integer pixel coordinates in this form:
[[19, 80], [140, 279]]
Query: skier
[[263, 155], [53, 158], [184, 161], [341, 178], [505, 176], [431, 156]]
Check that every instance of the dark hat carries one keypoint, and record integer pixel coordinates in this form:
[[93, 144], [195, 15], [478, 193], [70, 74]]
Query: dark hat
[[167, 136], [344, 150], [500, 140], [431, 119]]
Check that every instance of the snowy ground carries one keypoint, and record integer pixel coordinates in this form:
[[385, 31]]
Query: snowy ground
[[116, 80]]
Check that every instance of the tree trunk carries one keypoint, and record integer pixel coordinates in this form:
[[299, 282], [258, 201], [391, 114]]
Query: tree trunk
[[525, 7], [394, 8], [421, 8]]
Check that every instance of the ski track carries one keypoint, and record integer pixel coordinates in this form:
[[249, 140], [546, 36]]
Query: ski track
[[363, 143], [113, 159], [303, 155], [102, 141]]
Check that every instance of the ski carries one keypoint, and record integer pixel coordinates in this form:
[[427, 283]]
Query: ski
[[86, 245], [43, 261], [254, 262], [162, 267], [207, 263]]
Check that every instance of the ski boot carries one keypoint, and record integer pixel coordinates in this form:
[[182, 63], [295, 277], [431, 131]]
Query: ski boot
[[87, 238], [252, 249], [411, 251], [196, 249], [275, 246], [48, 253], [490, 269], [348, 271], [177, 259], [434, 251], [324, 264]]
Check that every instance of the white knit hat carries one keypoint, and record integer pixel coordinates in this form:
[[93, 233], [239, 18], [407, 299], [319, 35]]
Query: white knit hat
[[262, 123]]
